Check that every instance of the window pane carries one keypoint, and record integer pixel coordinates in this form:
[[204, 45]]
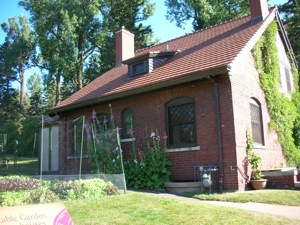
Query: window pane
[[181, 125], [256, 124], [127, 123], [76, 136], [288, 80]]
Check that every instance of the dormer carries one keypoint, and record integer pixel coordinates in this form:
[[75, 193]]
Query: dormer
[[146, 63]]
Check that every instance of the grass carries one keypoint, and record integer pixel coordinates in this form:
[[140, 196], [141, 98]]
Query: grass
[[280, 197], [24, 166], [143, 208]]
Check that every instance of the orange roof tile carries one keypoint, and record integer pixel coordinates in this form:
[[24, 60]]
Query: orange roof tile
[[200, 52]]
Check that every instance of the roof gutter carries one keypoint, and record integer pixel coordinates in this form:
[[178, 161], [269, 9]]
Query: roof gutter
[[187, 78]]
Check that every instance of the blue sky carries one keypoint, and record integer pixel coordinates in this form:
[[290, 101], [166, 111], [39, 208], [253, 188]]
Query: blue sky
[[163, 29]]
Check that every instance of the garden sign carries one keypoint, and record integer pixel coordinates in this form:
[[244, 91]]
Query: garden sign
[[43, 214]]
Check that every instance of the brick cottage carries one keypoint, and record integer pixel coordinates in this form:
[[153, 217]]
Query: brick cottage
[[201, 89]]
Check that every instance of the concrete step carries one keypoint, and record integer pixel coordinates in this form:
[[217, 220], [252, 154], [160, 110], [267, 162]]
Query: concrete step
[[297, 185]]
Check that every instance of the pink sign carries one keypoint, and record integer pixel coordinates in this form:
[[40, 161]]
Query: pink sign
[[43, 214]]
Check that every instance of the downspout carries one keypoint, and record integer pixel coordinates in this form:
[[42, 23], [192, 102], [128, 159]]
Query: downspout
[[218, 122]]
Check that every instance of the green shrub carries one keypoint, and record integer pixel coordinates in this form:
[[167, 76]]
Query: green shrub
[[42, 195], [24, 191], [11, 198], [148, 166], [17, 183]]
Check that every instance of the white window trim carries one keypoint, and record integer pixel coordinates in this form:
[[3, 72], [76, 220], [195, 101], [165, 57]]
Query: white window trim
[[127, 140], [196, 148], [77, 157]]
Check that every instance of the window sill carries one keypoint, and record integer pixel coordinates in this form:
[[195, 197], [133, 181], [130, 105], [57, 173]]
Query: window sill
[[127, 140], [259, 147], [196, 148], [77, 157]]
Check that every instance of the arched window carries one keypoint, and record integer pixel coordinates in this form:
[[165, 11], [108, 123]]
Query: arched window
[[127, 122], [181, 126], [256, 122]]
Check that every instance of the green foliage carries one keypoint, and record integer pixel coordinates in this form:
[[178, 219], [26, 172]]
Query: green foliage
[[18, 190], [296, 129], [136, 208], [205, 13], [249, 142], [28, 138], [20, 49], [252, 158], [14, 198], [148, 166], [11, 129], [268, 196], [282, 110], [76, 38]]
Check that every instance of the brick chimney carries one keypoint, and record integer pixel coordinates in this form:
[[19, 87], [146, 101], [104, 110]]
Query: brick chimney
[[124, 45], [259, 10]]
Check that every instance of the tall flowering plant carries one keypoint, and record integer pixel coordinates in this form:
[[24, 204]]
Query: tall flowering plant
[[148, 166], [104, 151]]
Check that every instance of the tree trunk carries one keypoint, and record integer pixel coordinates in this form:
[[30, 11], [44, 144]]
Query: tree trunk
[[22, 90]]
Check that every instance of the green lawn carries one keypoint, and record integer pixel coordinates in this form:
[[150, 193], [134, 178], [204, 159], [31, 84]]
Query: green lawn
[[23, 166], [143, 208], [269, 196]]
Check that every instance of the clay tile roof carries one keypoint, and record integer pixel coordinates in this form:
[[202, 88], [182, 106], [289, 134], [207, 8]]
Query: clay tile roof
[[200, 52]]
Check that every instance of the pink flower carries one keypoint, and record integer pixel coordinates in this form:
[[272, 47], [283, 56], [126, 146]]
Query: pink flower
[[131, 132], [140, 155], [165, 137]]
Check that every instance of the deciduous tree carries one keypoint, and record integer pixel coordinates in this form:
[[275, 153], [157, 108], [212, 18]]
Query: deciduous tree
[[204, 13]]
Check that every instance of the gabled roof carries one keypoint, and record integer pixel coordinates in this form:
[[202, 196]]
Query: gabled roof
[[206, 52]]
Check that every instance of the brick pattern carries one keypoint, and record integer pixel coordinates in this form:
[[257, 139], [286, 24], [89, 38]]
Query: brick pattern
[[281, 182], [234, 93], [245, 85]]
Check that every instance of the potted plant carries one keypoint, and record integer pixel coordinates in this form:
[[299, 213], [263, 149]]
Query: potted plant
[[257, 181]]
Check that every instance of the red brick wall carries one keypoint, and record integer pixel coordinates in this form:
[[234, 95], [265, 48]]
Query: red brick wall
[[245, 85], [286, 182], [149, 111], [234, 93]]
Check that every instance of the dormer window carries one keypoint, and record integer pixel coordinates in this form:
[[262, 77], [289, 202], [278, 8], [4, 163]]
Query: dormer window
[[144, 64], [137, 69]]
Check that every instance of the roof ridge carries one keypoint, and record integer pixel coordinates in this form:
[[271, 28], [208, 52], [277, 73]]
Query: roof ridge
[[194, 32]]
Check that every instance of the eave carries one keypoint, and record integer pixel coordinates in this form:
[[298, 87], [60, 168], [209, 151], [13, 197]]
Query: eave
[[154, 87]]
